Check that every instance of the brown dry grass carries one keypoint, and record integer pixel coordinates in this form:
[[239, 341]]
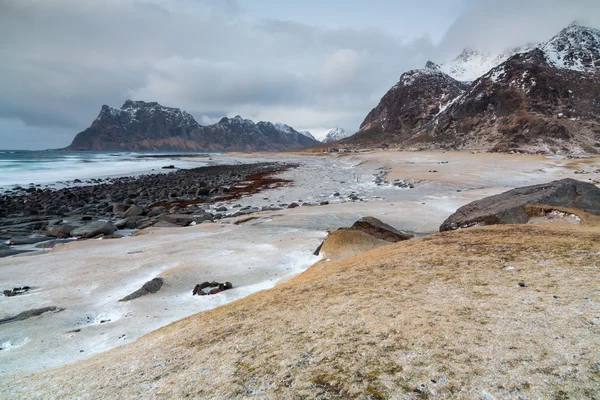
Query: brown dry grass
[[438, 316], [344, 242]]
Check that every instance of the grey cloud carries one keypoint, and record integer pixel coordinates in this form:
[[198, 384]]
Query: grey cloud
[[497, 25], [63, 59], [66, 59]]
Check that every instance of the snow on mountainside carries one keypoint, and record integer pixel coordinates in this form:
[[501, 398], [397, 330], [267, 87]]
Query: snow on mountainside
[[576, 48], [544, 99], [335, 134], [471, 64], [308, 134]]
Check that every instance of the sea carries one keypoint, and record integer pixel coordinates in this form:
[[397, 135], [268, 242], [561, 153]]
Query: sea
[[55, 168]]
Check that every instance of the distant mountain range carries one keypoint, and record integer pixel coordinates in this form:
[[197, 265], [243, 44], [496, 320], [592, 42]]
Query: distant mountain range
[[532, 98], [149, 126]]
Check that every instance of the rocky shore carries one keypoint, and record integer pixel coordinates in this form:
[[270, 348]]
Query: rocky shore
[[104, 207]]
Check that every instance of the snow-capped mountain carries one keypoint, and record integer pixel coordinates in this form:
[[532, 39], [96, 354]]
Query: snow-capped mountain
[[140, 125], [544, 99], [575, 47], [335, 134], [308, 135], [471, 64]]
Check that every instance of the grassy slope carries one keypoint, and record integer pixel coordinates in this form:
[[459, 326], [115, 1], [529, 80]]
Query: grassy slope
[[438, 315]]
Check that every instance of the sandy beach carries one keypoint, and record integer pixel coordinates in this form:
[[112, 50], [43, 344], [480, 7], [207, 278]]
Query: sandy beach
[[85, 280]]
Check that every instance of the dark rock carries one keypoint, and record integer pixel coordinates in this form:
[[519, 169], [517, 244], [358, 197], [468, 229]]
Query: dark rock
[[293, 205], [221, 209], [16, 291], [94, 229], [177, 219], [149, 287], [164, 224], [202, 192], [120, 207], [199, 218], [168, 167], [52, 243], [376, 228], [61, 231], [318, 250], [509, 207], [22, 240], [209, 288], [133, 211], [126, 223], [12, 252], [156, 211], [29, 313]]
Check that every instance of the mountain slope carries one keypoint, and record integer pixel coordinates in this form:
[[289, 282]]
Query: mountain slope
[[542, 100], [139, 125], [409, 106], [472, 64]]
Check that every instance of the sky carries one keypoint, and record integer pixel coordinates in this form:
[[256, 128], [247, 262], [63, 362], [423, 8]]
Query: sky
[[312, 64]]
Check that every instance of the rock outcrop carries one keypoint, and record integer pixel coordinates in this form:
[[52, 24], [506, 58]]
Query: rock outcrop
[[149, 126], [380, 230], [510, 207], [149, 287], [365, 234]]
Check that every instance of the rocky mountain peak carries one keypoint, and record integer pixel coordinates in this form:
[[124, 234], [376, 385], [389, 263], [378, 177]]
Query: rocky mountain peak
[[576, 48], [336, 134], [529, 98], [432, 66], [237, 120], [140, 125], [472, 63]]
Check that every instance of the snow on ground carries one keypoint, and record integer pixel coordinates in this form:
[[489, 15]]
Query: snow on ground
[[88, 278]]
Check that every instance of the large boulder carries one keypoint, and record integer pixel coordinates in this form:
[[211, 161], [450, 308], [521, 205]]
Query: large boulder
[[156, 211], [366, 233], [126, 223], [346, 242], [177, 219], [120, 207], [94, 229], [133, 211], [380, 230], [510, 207], [61, 231]]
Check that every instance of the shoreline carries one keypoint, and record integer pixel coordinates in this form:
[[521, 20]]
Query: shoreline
[[87, 277], [139, 201]]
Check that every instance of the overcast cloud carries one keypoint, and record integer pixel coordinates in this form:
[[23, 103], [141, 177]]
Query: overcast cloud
[[311, 64]]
